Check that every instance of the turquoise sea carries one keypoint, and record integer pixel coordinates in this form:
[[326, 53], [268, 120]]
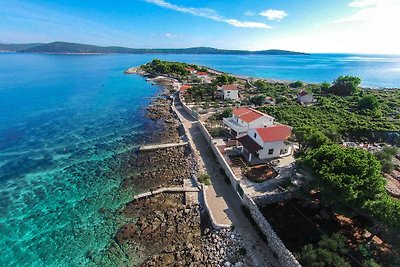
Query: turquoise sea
[[67, 123]]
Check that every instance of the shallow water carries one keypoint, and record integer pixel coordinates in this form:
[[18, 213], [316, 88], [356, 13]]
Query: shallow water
[[66, 124]]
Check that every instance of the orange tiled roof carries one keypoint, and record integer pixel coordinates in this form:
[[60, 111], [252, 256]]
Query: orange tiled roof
[[274, 133], [248, 114], [230, 87], [201, 73], [184, 87]]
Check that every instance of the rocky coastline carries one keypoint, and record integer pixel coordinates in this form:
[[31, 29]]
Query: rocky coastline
[[168, 230]]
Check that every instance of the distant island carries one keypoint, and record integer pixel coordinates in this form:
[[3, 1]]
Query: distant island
[[17, 47], [75, 48]]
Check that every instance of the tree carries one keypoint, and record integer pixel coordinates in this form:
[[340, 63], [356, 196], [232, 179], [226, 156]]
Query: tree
[[261, 84], [227, 113], [368, 102], [325, 87], [257, 100], [297, 84], [345, 85], [328, 252], [385, 210], [224, 79], [385, 156], [347, 176], [309, 137]]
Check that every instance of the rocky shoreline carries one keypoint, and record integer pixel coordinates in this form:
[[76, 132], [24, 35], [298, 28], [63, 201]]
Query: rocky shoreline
[[167, 230]]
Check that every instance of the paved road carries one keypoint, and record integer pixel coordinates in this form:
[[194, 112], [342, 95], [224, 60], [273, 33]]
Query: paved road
[[224, 202]]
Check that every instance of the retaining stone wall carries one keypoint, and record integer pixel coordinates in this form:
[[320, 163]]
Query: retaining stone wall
[[285, 257], [262, 201]]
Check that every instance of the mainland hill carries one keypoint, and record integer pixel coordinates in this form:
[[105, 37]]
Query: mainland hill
[[75, 48]]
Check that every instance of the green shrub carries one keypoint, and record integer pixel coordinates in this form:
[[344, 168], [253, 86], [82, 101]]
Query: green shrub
[[204, 179]]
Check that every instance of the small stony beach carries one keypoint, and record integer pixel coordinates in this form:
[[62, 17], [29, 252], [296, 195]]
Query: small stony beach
[[167, 229]]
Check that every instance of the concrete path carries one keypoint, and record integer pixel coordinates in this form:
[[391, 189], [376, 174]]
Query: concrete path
[[177, 189], [160, 146], [224, 202]]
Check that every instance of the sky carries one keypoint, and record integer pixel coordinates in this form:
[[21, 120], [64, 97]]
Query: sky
[[314, 26]]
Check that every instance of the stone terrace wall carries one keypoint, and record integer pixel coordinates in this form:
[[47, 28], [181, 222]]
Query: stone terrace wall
[[285, 257], [189, 110], [219, 156], [262, 201]]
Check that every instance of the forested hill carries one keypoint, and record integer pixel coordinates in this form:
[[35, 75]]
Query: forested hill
[[64, 47], [17, 47]]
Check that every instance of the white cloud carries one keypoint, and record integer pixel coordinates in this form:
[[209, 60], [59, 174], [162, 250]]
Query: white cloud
[[273, 14], [370, 28], [249, 13], [170, 35], [374, 11], [366, 3], [210, 14]]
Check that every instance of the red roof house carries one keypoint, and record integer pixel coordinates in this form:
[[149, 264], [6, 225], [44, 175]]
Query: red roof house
[[184, 88], [274, 133]]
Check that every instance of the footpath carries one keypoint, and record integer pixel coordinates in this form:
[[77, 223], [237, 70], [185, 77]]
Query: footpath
[[224, 203]]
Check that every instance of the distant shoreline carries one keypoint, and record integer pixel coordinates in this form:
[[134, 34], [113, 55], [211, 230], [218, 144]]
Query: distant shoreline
[[136, 70]]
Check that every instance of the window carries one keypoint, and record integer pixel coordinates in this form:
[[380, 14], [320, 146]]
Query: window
[[255, 135], [228, 92], [271, 151]]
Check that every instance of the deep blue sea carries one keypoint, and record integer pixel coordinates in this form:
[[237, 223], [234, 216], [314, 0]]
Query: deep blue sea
[[65, 121]]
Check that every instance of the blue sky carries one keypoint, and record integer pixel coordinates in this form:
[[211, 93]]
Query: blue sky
[[353, 26]]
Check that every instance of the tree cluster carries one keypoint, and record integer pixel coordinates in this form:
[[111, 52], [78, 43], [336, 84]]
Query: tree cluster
[[224, 79], [167, 67], [345, 85]]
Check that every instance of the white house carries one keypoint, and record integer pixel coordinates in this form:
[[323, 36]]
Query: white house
[[305, 98], [267, 142], [230, 91], [243, 119], [269, 100], [203, 76]]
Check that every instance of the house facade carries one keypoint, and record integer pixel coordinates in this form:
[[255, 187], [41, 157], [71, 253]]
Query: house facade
[[305, 98], [203, 76], [243, 119], [267, 142], [229, 91]]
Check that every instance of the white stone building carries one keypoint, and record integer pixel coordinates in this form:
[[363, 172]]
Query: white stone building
[[243, 119]]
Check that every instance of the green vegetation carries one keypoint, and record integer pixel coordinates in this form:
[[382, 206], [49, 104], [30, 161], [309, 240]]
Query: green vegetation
[[297, 84], [224, 79], [201, 92], [385, 156], [350, 179], [257, 100], [218, 116], [386, 211], [368, 102], [330, 252], [346, 176], [204, 178], [336, 115], [216, 132], [345, 85], [309, 137], [166, 67]]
